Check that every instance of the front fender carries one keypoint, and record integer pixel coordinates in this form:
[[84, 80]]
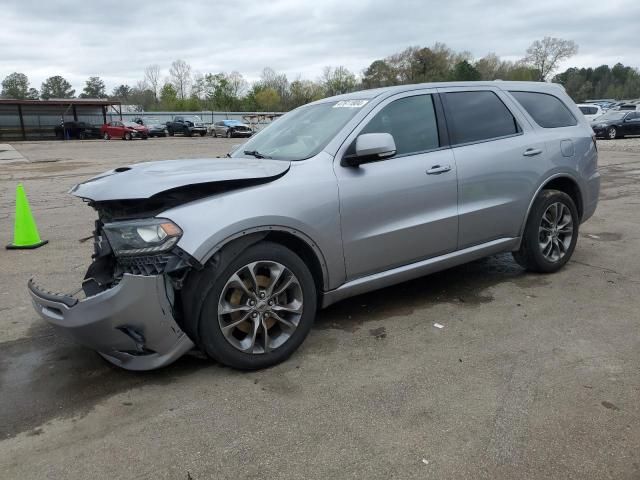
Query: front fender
[[304, 203]]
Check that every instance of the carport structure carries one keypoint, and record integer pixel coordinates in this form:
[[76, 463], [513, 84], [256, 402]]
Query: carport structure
[[37, 119]]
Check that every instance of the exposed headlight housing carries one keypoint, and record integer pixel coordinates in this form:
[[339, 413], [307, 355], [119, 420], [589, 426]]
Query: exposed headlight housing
[[142, 237]]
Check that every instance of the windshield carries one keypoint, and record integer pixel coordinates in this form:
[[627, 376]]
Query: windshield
[[194, 119], [131, 124], [233, 122], [302, 133], [611, 116]]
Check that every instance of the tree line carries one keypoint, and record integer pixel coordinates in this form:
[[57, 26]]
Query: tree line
[[182, 89]]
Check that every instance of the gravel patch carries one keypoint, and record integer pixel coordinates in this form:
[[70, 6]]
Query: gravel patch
[[631, 144]]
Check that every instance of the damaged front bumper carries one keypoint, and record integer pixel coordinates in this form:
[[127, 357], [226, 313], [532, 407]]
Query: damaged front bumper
[[130, 324]]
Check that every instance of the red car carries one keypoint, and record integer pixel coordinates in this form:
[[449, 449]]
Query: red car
[[124, 130]]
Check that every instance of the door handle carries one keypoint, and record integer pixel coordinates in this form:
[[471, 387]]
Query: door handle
[[438, 169], [530, 152]]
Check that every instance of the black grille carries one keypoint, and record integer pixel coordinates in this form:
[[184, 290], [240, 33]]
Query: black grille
[[147, 265]]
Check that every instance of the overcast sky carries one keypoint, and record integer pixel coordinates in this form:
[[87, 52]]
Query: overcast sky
[[116, 39]]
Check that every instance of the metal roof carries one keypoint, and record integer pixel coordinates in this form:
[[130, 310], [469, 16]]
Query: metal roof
[[95, 102]]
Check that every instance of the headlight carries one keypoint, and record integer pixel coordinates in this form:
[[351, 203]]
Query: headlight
[[140, 237]]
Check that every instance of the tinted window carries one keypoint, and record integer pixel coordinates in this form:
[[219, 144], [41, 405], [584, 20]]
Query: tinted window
[[477, 116], [547, 111], [588, 110], [412, 123]]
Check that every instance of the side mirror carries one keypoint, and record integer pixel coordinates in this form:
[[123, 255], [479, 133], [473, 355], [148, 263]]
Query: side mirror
[[371, 147]]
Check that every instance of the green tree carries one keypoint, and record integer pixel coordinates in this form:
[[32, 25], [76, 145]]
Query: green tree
[[168, 97], [122, 92], [379, 74], [142, 97], [94, 88], [267, 99], [338, 80], [16, 85], [302, 92], [465, 71], [585, 92], [56, 87]]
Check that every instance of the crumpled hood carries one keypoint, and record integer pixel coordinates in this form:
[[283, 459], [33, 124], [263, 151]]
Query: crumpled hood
[[143, 180]]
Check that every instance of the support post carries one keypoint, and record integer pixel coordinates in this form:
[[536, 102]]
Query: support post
[[24, 133]]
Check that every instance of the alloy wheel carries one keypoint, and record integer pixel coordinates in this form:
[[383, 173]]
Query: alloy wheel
[[612, 133], [555, 232], [260, 307]]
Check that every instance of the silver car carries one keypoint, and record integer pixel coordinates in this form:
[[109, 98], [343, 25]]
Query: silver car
[[339, 197]]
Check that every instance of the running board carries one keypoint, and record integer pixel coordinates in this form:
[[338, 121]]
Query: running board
[[418, 269]]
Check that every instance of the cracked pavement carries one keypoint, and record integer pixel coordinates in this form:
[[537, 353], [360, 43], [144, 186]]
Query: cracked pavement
[[532, 376]]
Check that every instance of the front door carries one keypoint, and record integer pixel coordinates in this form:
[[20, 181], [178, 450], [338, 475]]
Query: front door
[[631, 125], [402, 209]]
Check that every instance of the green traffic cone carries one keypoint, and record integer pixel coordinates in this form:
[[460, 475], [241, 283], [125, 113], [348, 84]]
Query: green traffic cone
[[25, 233]]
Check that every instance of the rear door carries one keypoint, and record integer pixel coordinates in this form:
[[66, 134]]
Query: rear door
[[402, 209], [499, 158]]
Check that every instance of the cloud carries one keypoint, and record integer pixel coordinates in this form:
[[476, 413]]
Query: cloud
[[117, 39]]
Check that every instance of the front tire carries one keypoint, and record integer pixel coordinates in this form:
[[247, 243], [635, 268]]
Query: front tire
[[550, 234], [612, 133], [127, 136], [229, 134], [257, 311], [106, 136]]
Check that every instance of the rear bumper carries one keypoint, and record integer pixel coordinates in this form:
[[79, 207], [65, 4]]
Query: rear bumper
[[131, 325], [593, 192]]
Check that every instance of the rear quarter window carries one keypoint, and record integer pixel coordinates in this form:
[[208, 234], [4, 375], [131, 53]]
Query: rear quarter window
[[546, 110]]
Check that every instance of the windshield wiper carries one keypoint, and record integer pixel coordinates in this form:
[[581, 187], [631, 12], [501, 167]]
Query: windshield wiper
[[256, 153]]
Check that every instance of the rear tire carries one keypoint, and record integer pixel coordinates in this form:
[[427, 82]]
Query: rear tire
[[549, 239], [275, 339], [106, 136]]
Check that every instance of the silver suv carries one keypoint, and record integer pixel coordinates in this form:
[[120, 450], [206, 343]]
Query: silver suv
[[345, 195]]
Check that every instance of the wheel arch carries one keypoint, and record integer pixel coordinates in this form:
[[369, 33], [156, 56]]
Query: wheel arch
[[564, 183], [295, 240]]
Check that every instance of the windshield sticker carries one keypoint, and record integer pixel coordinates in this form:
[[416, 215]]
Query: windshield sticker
[[351, 104]]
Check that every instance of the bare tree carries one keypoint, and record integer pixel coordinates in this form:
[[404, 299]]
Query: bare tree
[[152, 77], [180, 73], [238, 84], [545, 55]]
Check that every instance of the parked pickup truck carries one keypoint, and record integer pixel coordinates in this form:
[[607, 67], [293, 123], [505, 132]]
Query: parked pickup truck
[[187, 125]]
